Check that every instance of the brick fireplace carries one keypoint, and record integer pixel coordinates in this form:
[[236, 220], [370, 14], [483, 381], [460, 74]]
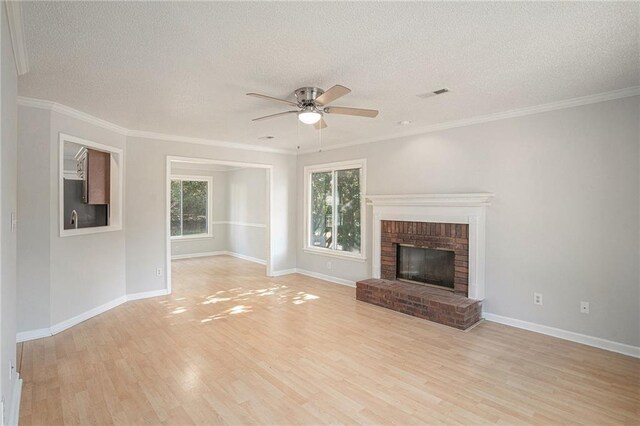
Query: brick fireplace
[[449, 229], [453, 237]]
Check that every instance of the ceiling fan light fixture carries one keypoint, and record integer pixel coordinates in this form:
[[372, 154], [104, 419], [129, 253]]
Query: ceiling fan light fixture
[[309, 117]]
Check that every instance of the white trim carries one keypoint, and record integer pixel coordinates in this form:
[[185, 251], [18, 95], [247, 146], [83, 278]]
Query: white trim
[[117, 194], [210, 142], [360, 163], [18, 39], [335, 253], [14, 410], [61, 326], [209, 180], [597, 342], [324, 277], [147, 294], [70, 112], [536, 109], [269, 200], [202, 254], [461, 200], [25, 336], [283, 272], [519, 112], [255, 225], [439, 208], [245, 257]]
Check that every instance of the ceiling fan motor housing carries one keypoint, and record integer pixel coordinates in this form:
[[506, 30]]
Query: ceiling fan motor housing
[[307, 95]]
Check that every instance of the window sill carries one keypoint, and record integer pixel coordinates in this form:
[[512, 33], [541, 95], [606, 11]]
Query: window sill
[[86, 231], [334, 253], [192, 237]]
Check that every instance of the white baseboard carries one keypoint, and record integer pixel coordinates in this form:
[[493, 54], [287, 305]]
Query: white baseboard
[[14, 410], [244, 257], [61, 326], [219, 253], [147, 294], [25, 336], [324, 277], [597, 342], [203, 254], [283, 272]]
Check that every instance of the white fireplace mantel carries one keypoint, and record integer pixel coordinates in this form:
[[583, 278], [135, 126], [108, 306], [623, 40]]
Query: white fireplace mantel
[[439, 208]]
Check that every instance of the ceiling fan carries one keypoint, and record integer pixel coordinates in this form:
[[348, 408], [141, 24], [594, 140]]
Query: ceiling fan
[[311, 104]]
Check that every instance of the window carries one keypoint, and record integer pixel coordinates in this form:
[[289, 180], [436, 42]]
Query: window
[[90, 186], [190, 206], [334, 209]]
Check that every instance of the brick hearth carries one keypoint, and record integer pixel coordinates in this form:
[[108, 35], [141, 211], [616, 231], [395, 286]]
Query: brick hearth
[[442, 306]]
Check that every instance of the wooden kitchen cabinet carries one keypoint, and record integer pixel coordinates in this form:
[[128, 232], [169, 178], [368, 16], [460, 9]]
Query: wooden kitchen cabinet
[[98, 177]]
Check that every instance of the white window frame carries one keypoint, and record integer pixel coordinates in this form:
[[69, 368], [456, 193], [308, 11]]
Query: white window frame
[[209, 180], [117, 184], [332, 167]]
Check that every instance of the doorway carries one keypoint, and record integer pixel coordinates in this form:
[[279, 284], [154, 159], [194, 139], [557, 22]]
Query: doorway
[[218, 207]]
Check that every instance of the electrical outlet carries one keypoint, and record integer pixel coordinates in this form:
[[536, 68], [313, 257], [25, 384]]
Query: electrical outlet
[[584, 307], [11, 369], [328, 265], [537, 298], [158, 272]]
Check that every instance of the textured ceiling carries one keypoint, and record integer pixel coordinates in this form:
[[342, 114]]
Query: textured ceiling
[[184, 68]]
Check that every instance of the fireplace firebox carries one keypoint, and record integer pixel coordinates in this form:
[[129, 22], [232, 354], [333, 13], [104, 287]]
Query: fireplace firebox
[[426, 266]]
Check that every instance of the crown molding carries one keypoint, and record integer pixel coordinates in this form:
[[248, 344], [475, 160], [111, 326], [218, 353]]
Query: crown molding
[[71, 112], [520, 112], [537, 109], [18, 41], [210, 142]]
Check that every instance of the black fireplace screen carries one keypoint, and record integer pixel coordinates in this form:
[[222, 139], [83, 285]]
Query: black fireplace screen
[[424, 265]]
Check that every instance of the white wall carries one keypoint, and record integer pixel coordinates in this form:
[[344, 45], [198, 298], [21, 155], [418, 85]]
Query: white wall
[[218, 241], [8, 204], [247, 212], [145, 200], [565, 220]]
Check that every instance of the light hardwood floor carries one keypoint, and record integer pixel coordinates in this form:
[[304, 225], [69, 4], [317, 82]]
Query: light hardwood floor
[[231, 346]]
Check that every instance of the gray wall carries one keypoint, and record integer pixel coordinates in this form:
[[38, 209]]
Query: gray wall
[[34, 204], [240, 203], [8, 204], [218, 242], [247, 207], [86, 270], [145, 205], [565, 220], [59, 277]]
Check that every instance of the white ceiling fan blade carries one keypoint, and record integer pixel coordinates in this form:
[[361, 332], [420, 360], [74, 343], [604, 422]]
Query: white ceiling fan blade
[[320, 124], [358, 112], [332, 94], [271, 98], [266, 117]]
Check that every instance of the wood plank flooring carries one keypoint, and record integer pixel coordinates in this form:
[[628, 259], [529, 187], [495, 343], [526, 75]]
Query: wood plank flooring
[[231, 346]]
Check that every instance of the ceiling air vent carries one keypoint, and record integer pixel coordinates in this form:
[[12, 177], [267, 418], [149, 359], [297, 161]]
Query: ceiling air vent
[[434, 93]]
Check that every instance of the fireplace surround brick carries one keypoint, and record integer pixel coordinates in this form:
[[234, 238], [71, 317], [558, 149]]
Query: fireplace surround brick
[[452, 308], [447, 236]]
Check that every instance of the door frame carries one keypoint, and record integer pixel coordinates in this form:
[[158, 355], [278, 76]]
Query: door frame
[[269, 195]]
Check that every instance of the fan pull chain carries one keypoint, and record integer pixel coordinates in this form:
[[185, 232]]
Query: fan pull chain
[[320, 139]]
